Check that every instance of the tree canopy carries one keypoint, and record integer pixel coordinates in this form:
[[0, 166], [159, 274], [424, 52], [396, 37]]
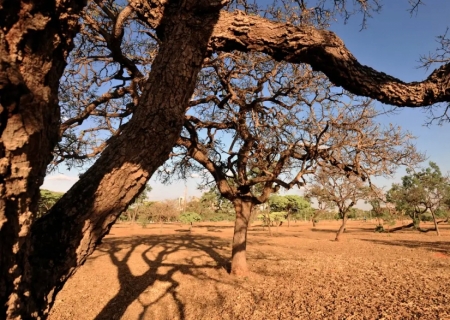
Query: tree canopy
[[421, 192], [331, 186]]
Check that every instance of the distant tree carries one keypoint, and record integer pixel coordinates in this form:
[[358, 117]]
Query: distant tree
[[47, 200], [211, 206], [421, 192], [324, 207], [162, 211], [269, 218], [381, 209], [293, 205], [378, 211], [330, 185], [189, 218], [139, 205], [217, 202]]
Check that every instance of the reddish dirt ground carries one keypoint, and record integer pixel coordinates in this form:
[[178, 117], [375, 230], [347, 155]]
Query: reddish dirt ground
[[298, 273]]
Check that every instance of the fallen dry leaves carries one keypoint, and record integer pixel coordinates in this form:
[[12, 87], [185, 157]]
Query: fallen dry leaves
[[299, 273]]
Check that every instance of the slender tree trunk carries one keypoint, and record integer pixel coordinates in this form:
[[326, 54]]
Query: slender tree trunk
[[134, 214], [416, 222], [35, 39], [268, 224], [238, 255], [435, 223], [61, 241], [289, 219], [341, 229]]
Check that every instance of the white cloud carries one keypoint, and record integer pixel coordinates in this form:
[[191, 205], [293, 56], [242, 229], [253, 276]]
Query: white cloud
[[62, 177]]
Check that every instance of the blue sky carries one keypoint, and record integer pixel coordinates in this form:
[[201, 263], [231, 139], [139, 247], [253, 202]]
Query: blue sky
[[393, 43]]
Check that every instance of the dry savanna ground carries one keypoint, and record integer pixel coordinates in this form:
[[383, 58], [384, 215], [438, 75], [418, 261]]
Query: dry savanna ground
[[298, 273]]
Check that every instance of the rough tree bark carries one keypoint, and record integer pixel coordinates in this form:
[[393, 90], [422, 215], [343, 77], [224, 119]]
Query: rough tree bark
[[61, 240], [35, 39], [342, 227], [322, 49], [326, 52], [238, 255]]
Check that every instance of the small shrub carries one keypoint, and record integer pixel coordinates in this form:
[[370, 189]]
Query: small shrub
[[190, 217], [143, 221], [426, 218]]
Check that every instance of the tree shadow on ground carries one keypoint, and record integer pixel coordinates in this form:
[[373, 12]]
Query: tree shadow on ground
[[435, 246], [159, 247], [347, 230], [206, 226]]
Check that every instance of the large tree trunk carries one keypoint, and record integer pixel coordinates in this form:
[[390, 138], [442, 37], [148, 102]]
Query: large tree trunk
[[342, 228], [35, 39], [238, 256], [63, 239]]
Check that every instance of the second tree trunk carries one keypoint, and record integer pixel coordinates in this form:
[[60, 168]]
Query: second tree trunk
[[238, 255]]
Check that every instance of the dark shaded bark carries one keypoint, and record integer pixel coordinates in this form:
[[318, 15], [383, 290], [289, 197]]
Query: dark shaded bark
[[410, 225], [238, 256], [63, 239], [35, 39], [342, 227]]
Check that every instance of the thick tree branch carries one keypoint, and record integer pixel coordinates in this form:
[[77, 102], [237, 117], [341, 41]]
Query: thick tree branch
[[326, 52]]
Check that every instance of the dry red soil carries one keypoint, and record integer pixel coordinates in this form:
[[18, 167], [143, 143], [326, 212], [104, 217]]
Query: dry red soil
[[298, 273]]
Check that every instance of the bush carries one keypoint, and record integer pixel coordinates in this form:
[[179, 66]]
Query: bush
[[426, 217], [221, 216], [189, 217], [276, 217]]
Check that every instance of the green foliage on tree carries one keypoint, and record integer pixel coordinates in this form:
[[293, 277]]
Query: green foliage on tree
[[272, 218], [135, 212], [332, 186], [212, 206], [293, 206], [421, 194], [189, 217], [47, 200], [381, 213]]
